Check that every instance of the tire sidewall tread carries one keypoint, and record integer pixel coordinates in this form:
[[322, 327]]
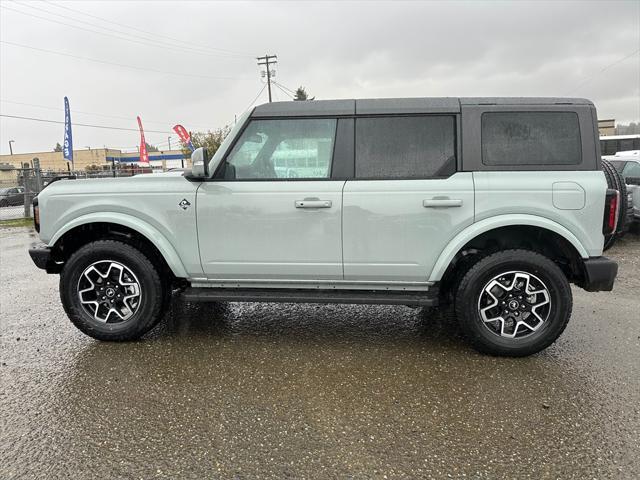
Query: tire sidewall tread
[[474, 280], [153, 290]]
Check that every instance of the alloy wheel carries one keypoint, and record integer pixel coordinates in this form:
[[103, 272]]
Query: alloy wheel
[[109, 291], [514, 304]]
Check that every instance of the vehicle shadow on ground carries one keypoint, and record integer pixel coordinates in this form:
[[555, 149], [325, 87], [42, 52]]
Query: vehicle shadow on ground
[[304, 322]]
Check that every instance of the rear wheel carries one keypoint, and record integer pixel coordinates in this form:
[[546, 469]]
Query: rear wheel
[[112, 291], [513, 303]]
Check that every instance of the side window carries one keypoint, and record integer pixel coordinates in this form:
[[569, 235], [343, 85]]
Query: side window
[[531, 138], [626, 144], [405, 147], [608, 147], [631, 169], [281, 149]]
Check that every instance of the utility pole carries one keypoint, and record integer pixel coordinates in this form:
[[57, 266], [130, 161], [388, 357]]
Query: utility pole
[[10, 147], [266, 61]]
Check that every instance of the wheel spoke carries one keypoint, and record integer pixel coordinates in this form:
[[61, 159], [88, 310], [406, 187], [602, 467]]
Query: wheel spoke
[[514, 304], [109, 290]]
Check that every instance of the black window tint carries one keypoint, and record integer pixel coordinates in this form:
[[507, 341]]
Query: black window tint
[[608, 147], [405, 147], [626, 144], [531, 138]]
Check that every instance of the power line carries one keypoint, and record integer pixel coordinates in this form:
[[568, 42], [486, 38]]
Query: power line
[[286, 88], [137, 28], [254, 100], [268, 60], [283, 90], [107, 127], [128, 34], [126, 39], [57, 109], [602, 71], [116, 64]]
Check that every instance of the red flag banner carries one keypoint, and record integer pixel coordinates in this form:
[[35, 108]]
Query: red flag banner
[[144, 155], [185, 138]]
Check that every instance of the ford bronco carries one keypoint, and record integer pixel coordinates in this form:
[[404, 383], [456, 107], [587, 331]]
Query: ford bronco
[[491, 205]]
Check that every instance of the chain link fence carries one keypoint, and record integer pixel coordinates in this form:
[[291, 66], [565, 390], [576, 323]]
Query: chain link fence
[[18, 187]]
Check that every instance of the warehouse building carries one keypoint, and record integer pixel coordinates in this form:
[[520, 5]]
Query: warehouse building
[[94, 159]]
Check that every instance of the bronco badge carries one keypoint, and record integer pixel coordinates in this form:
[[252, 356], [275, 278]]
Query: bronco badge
[[184, 204]]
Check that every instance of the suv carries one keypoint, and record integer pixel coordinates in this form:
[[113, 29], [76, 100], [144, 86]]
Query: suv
[[494, 205], [628, 166]]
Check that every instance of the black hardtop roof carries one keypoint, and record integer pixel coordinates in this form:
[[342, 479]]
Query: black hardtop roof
[[381, 106]]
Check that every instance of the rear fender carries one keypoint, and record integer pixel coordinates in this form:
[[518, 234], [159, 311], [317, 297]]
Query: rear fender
[[471, 232]]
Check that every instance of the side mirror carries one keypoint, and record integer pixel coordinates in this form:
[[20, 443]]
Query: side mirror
[[200, 163]]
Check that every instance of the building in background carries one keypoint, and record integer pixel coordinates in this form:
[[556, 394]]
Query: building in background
[[607, 127], [94, 159]]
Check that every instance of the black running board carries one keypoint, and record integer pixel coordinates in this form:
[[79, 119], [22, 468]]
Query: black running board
[[384, 297]]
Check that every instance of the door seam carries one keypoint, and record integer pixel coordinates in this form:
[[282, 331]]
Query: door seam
[[342, 226]]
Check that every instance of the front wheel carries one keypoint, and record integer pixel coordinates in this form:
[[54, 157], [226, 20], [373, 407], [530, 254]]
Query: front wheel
[[112, 291], [513, 303]]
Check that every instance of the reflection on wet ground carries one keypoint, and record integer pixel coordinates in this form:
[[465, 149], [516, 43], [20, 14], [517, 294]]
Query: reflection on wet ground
[[312, 391]]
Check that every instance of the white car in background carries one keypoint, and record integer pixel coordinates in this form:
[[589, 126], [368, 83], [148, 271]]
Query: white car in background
[[628, 164]]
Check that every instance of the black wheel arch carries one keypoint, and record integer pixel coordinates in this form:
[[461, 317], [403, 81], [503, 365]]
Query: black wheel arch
[[526, 237], [77, 237]]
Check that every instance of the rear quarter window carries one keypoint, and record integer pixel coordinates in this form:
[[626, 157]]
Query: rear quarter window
[[531, 138]]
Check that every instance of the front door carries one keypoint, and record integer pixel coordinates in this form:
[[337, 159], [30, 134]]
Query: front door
[[274, 213], [406, 201]]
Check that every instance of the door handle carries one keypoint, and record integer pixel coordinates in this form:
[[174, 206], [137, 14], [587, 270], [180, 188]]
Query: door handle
[[442, 203], [313, 203]]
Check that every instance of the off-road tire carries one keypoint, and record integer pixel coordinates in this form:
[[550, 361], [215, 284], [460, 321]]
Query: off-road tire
[[618, 183], [153, 299], [472, 284]]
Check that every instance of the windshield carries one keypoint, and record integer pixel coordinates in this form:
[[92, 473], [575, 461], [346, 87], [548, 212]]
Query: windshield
[[227, 141], [4, 191]]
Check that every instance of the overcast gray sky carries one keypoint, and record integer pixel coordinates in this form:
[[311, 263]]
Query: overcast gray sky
[[196, 60]]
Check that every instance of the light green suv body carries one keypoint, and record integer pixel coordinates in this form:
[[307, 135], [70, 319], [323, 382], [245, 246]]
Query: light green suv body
[[367, 201]]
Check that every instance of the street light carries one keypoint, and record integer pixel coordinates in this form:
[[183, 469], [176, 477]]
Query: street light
[[10, 148], [169, 140]]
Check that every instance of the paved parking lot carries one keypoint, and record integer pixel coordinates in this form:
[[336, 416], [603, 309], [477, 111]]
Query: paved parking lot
[[310, 391]]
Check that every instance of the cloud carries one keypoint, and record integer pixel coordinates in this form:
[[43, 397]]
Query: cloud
[[335, 49]]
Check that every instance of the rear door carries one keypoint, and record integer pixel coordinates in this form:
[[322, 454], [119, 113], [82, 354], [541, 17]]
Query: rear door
[[407, 200], [276, 212]]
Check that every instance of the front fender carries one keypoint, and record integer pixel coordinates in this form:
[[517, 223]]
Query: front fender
[[143, 228], [471, 232]]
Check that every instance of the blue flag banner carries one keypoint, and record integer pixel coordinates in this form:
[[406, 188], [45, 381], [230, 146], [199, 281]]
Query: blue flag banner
[[67, 148]]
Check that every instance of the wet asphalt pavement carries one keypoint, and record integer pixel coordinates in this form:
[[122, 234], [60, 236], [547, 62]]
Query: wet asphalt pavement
[[312, 391]]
